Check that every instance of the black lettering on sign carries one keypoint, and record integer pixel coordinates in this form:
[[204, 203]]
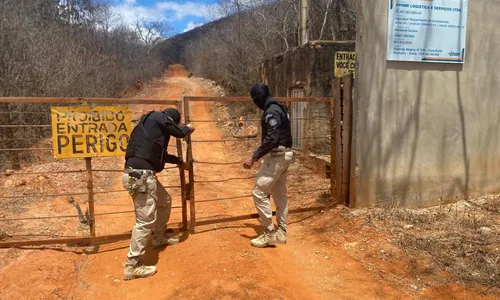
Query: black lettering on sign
[[112, 127], [91, 142], [75, 143], [96, 116], [122, 127], [72, 127], [82, 116], [62, 141], [123, 142], [101, 143], [60, 127], [93, 128], [343, 64], [103, 128], [110, 116], [72, 115], [82, 132], [111, 145], [120, 116], [60, 115]]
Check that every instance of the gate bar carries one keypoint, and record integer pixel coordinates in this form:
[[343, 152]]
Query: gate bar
[[190, 161], [71, 240], [103, 238], [333, 138], [248, 99], [256, 216], [182, 176], [90, 189], [84, 100]]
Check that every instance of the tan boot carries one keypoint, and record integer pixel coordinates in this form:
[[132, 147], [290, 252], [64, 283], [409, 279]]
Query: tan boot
[[166, 241], [138, 271], [264, 240], [281, 236]]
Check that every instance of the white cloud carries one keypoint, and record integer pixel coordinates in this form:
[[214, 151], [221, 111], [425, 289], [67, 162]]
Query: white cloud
[[130, 11], [184, 9], [192, 25]]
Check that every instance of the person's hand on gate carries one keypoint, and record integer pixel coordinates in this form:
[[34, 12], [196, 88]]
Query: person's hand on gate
[[184, 166], [248, 163], [191, 128]]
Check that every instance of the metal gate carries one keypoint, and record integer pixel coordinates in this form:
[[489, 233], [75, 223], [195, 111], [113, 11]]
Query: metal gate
[[25, 131], [297, 119], [340, 179]]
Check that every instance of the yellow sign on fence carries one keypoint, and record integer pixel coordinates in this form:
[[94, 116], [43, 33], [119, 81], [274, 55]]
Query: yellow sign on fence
[[345, 63], [83, 131]]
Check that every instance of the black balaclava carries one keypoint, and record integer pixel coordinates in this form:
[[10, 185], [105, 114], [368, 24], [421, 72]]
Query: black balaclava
[[260, 94], [173, 114]]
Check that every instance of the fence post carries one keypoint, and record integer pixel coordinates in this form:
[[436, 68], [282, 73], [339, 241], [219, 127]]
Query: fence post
[[189, 154], [183, 179], [90, 190], [346, 137], [332, 140], [337, 119]]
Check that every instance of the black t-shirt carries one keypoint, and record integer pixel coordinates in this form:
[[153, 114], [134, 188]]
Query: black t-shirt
[[156, 125]]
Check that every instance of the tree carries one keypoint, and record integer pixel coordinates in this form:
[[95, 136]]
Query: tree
[[152, 32], [74, 48], [246, 33]]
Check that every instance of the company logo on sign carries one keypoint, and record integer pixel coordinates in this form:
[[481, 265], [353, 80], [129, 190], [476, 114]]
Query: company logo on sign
[[451, 53]]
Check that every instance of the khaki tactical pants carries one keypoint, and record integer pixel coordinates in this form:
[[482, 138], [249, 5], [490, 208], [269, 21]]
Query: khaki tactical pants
[[152, 211], [271, 180]]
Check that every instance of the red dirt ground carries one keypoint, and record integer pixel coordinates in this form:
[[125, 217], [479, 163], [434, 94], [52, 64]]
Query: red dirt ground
[[328, 256]]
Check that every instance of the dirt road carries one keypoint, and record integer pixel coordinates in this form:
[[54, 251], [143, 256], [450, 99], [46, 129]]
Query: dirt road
[[325, 258], [217, 262]]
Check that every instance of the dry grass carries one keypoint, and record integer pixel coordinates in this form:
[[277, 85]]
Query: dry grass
[[462, 238]]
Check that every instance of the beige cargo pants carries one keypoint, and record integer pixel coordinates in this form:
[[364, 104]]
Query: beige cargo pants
[[271, 181], [152, 212]]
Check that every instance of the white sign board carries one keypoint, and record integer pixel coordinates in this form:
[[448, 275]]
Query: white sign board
[[427, 30]]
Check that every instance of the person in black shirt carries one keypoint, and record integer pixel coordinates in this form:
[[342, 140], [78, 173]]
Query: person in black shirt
[[271, 180], [145, 157]]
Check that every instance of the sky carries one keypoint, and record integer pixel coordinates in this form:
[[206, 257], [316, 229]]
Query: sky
[[182, 15]]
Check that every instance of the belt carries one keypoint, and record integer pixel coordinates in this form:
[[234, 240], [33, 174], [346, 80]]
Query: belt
[[141, 171], [275, 154], [281, 149]]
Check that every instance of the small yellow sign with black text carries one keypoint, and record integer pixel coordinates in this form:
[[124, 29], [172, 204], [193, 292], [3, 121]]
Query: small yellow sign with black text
[[345, 63], [83, 131]]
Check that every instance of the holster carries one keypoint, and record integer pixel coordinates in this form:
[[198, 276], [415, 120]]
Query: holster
[[137, 184]]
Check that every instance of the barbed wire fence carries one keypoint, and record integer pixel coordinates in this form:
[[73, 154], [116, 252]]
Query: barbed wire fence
[[23, 146], [202, 141], [27, 154]]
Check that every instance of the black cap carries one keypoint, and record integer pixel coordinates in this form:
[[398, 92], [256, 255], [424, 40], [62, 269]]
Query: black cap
[[174, 114], [260, 93]]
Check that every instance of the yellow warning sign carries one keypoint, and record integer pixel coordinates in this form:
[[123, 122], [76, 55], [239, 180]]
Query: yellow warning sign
[[345, 63], [83, 131]]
